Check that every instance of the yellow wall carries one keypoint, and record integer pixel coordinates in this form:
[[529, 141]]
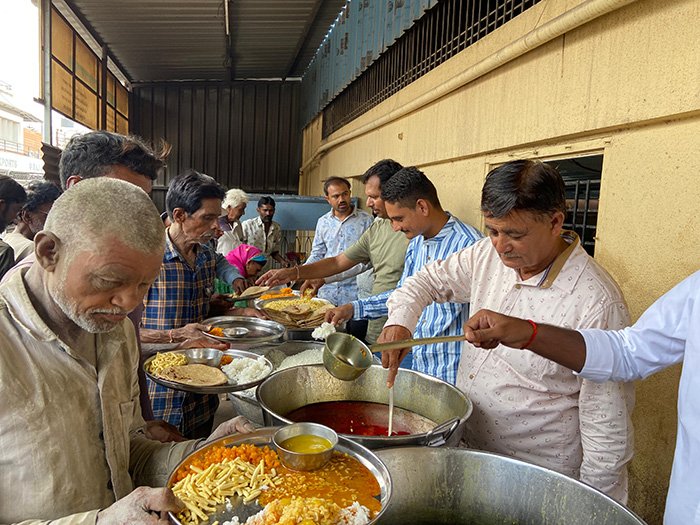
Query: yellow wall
[[626, 85]]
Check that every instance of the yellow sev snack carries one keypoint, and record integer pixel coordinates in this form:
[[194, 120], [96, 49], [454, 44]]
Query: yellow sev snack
[[202, 490], [164, 360]]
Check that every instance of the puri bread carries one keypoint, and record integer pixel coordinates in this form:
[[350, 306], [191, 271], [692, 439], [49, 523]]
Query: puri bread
[[195, 375]]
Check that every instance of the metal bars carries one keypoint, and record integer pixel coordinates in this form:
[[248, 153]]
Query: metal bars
[[443, 31], [582, 197]]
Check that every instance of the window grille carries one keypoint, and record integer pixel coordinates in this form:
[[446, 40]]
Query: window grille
[[582, 178], [448, 28]]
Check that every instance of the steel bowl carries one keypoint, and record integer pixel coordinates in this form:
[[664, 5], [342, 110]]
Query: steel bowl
[[300, 460], [457, 486], [423, 398], [346, 357], [204, 356]]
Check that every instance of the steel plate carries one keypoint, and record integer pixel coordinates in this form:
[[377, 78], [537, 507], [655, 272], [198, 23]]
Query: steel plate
[[262, 437], [220, 389], [259, 330]]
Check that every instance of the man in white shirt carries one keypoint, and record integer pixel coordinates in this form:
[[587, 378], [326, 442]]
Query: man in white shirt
[[264, 233], [524, 405], [71, 431], [666, 334], [234, 205]]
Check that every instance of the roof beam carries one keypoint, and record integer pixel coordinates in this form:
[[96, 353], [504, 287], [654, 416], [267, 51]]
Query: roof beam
[[98, 38], [303, 39]]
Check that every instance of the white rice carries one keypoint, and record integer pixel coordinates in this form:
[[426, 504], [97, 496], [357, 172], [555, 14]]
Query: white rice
[[323, 331], [313, 356], [245, 370], [280, 361], [355, 514]]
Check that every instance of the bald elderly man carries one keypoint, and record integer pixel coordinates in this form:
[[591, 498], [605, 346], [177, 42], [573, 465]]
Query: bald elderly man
[[72, 447]]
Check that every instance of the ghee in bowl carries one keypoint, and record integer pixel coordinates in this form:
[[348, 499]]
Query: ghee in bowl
[[305, 446]]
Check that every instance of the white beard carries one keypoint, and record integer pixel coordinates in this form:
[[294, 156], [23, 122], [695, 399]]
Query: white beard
[[84, 321]]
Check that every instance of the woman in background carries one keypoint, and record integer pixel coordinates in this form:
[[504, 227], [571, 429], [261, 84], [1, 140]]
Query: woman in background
[[248, 259]]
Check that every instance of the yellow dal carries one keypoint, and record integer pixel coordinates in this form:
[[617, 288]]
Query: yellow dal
[[306, 444]]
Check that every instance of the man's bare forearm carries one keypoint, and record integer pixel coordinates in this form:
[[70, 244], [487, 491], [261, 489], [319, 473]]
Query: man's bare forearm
[[326, 267], [561, 345], [488, 329]]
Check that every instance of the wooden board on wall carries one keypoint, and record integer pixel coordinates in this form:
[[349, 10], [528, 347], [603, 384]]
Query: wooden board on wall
[[85, 106], [61, 89], [76, 81], [85, 64], [61, 40]]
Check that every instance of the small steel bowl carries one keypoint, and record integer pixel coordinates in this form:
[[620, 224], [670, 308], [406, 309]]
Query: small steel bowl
[[298, 460], [204, 356]]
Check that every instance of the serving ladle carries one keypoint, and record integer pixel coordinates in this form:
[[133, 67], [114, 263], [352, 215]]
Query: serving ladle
[[346, 357]]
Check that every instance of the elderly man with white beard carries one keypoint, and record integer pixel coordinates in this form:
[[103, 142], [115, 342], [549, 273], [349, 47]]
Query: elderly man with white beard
[[72, 447]]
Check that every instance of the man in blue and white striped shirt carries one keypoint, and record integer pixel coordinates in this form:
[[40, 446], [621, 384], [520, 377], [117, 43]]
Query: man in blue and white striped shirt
[[413, 206]]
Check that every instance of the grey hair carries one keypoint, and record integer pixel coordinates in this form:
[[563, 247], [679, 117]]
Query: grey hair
[[102, 209], [234, 198]]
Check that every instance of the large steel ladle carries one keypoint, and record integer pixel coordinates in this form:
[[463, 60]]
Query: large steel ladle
[[346, 357]]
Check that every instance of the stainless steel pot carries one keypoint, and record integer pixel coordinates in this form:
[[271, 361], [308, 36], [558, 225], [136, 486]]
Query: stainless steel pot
[[461, 486], [418, 393]]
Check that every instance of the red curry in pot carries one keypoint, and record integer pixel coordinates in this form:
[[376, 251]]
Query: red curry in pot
[[361, 418]]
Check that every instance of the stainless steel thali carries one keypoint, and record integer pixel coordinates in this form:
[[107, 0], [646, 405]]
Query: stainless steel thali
[[220, 389], [263, 437], [251, 330]]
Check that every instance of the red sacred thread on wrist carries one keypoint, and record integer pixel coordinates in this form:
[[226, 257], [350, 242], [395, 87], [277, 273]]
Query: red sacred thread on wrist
[[532, 337]]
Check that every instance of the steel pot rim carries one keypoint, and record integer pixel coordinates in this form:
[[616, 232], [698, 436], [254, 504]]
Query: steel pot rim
[[424, 438]]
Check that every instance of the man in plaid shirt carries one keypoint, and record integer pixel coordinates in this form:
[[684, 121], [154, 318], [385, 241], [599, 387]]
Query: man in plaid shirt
[[182, 292]]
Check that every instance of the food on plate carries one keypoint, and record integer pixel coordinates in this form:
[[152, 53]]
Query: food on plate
[[302, 312], [246, 370], [194, 375], [251, 292], [218, 332], [249, 453], [315, 511], [275, 294], [202, 489], [343, 492], [165, 360], [323, 331], [225, 360], [343, 480]]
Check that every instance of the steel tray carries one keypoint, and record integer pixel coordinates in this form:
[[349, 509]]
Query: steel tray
[[220, 389], [259, 331], [263, 437]]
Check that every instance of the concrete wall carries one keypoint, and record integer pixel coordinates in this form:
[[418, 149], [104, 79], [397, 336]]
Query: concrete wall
[[627, 85]]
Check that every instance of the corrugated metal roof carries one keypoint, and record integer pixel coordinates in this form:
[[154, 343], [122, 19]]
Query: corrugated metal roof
[[158, 40]]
